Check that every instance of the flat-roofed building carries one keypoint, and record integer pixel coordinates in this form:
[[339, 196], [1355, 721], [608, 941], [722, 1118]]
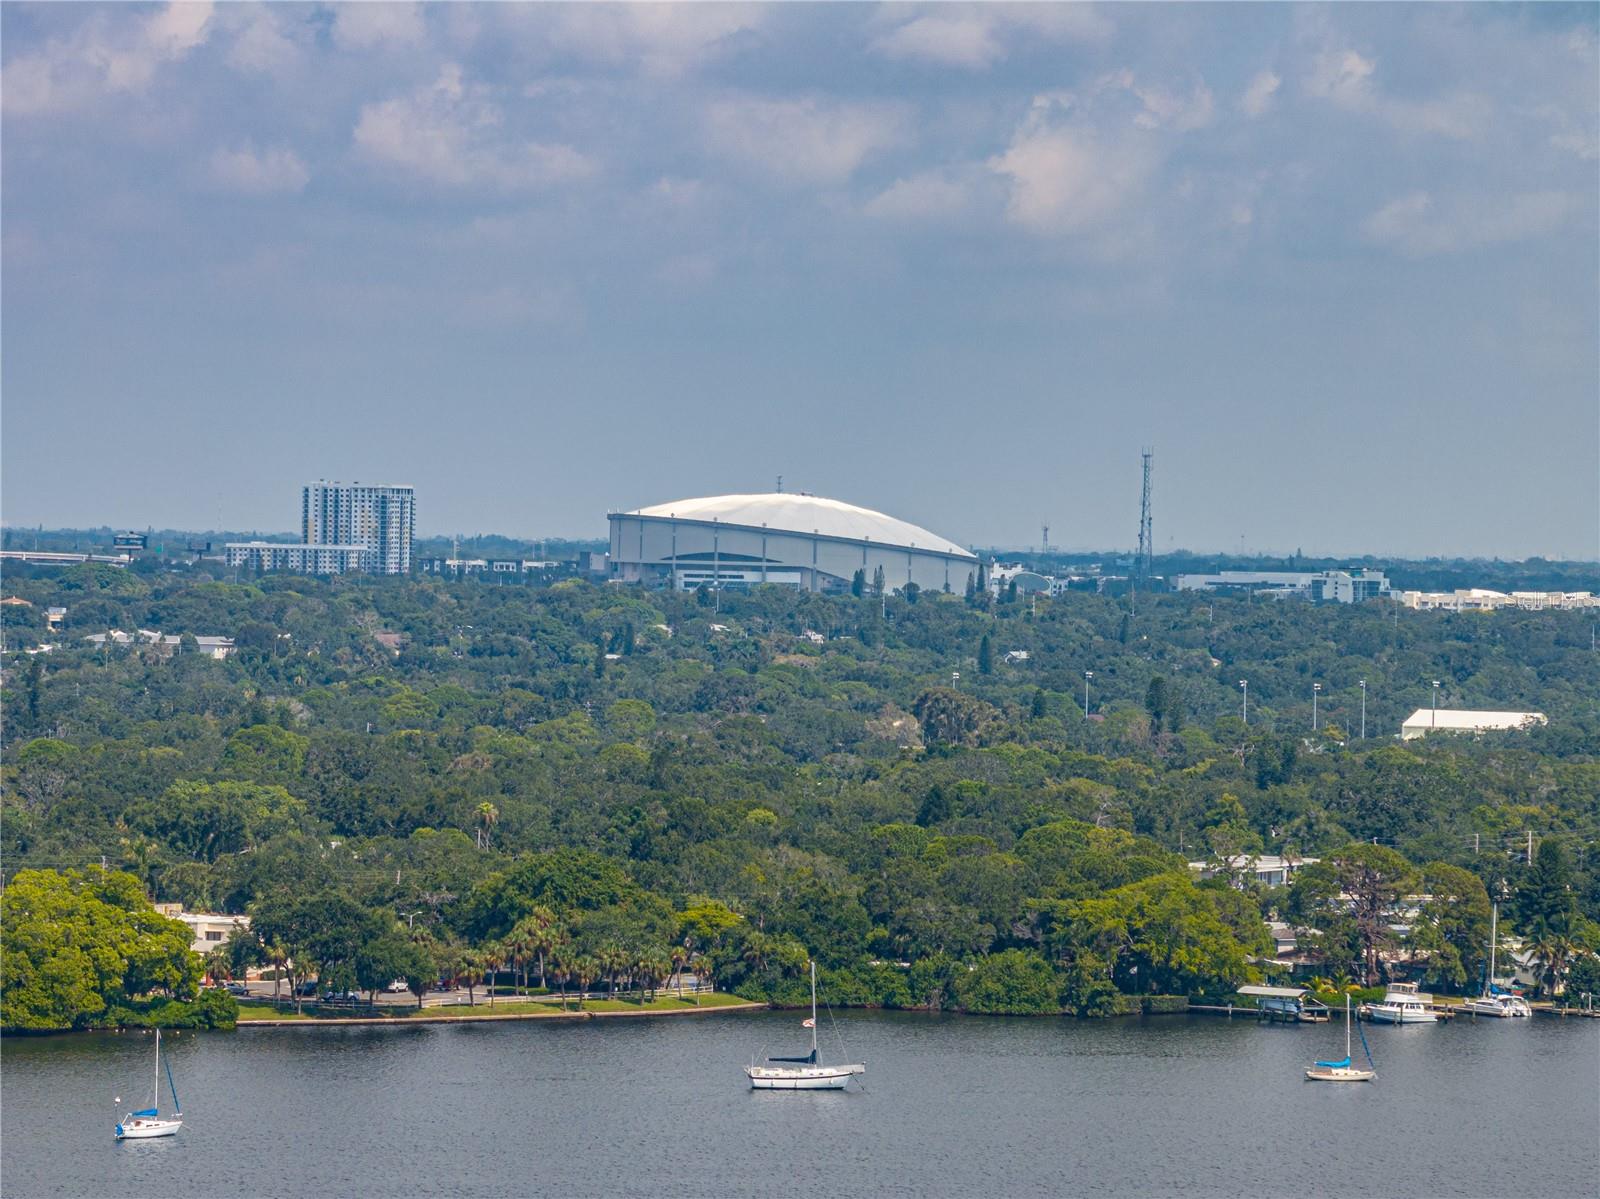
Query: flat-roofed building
[[310, 559], [210, 930], [1458, 720]]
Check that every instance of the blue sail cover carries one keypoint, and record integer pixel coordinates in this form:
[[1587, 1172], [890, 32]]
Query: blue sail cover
[[1341, 1064], [809, 1059], [149, 1111]]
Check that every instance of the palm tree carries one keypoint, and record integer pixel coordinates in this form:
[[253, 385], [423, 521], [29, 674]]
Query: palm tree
[[610, 959], [277, 957], [217, 964], [488, 817], [561, 960], [587, 970], [1549, 952], [470, 970], [493, 956], [678, 959], [519, 945]]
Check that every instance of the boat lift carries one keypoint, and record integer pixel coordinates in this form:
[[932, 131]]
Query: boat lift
[[1292, 1005]]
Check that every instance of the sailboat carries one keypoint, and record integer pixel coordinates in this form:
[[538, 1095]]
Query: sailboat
[[1494, 1001], [1343, 1071], [141, 1125], [805, 1073]]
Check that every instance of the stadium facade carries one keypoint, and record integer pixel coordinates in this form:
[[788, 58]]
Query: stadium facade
[[735, 542]]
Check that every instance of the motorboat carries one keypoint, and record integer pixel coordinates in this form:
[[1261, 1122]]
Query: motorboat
[[1402, 1004], [805, 1073], [1495, 1000], [1344, 1070], [148, 1122]]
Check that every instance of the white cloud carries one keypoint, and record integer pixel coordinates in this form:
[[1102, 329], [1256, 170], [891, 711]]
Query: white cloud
[[1346, 79], [245, 170], [1168, 110], [106, 54], [1067, 180], [364, 25], [977, 36], [451, 133], [806, 140], [263, 46], [967, 39], [1419, 227], [661, 39], [932, 195], [1259, 95]]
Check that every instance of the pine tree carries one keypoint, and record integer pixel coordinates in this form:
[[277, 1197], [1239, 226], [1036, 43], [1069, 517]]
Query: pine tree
[[1040, 708], [985, 656], [858, 583]]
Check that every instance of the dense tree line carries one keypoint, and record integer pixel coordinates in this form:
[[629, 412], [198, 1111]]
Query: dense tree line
[[577, 783]]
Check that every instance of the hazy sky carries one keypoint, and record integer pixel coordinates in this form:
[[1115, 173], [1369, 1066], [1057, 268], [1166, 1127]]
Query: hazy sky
[[1340, 266]]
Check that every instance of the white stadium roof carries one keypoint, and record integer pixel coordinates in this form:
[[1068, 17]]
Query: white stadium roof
[[796, 512]]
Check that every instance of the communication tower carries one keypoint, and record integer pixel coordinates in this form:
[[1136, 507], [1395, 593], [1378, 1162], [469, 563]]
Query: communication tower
[[1147, 548]]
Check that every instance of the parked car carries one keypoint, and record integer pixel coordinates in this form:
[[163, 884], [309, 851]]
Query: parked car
[[307, 989], [398, 987], [236, 988]]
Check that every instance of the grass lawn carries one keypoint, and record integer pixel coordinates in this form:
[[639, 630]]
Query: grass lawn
[[249, 1010]]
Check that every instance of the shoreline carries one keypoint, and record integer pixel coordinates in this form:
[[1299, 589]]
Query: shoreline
[[487, 1017]]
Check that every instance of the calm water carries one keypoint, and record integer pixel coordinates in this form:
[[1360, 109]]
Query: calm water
[[972, 1107]]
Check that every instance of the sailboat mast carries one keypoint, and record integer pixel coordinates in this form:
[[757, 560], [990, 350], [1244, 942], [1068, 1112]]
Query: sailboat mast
[[156, 1103], [1494, 935], [1347, 1025], [813, 1011]]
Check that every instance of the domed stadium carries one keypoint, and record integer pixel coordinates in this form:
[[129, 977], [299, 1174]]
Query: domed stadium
[[735, 542]]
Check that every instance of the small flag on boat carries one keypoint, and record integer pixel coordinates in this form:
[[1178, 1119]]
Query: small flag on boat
[[808, 1022]]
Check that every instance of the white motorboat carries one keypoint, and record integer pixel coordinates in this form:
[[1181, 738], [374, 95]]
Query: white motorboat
[[1402, 1004], [1495, 1001], [1343, 1071], [802, 1073], [149, 1122]]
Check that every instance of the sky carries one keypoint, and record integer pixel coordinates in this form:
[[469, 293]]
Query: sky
[[1338, 266]]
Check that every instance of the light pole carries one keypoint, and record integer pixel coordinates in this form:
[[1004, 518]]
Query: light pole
[[1363, 709], [1316, 690], [1087, 675], [1433, 721], [955, 679], [1244, 701]]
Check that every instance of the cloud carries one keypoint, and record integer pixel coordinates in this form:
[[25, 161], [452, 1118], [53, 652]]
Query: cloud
[[1419, 227], [261, 46], [1066, 180], [958, 40], [1259, 95], [975, 37], [107, 54], [1168, 110], [932, 195], [450, 133], [805, 140], [663, 39], [1347, 80], [273, 170], [366, 25]]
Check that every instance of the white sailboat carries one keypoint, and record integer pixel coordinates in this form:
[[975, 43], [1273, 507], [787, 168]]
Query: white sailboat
[[805, 1073], [1494, 1001], [1343, 1071], [149, 1122]]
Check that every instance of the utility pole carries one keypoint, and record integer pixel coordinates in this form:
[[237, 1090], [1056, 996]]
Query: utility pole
[[1433, 721], [1087, 675], [1316, 690], [1244, 702], [1363, 709], [1530, 847]]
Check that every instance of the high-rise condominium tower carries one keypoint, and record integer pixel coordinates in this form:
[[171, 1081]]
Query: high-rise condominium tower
[[380, 518]]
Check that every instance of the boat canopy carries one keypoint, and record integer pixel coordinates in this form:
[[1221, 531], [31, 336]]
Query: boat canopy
[[809, 1059], [1274, 992]]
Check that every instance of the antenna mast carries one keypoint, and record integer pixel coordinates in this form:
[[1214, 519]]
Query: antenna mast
[[1044, 536], [1145, 565]]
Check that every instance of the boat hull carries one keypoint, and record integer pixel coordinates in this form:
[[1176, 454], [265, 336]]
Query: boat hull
[[1339, 1074], [1378, 1014], [145, 1129], [1493, 1007], [806, 1078]]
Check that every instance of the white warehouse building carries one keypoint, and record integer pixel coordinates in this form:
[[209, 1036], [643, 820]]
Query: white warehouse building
[[735, 542]]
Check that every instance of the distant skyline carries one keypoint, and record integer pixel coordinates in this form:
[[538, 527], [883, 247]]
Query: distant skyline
[[1339, 266]]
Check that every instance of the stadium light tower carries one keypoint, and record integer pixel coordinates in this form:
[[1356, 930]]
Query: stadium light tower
[[1433, 721], [1087, 675], [1244, 702], [1363, 709], [1316, 690]]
